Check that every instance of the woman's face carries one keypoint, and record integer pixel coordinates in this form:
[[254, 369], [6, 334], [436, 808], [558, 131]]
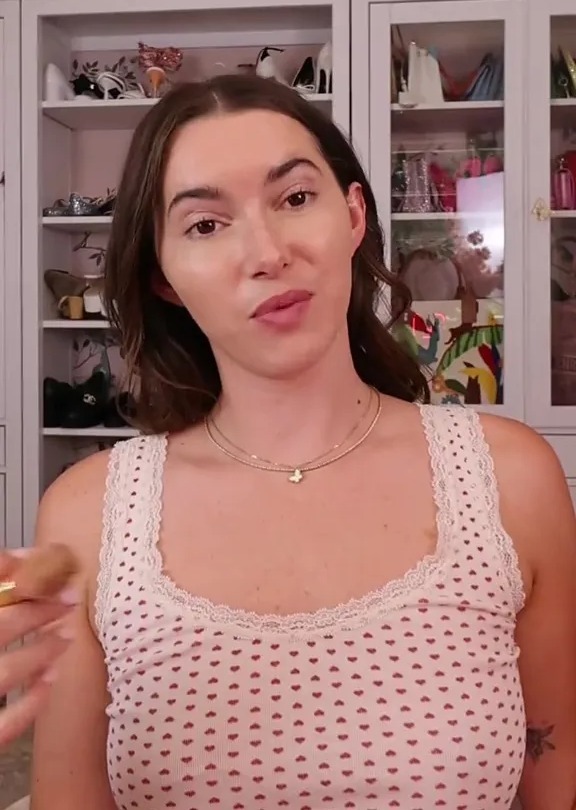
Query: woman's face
[[257, 240]]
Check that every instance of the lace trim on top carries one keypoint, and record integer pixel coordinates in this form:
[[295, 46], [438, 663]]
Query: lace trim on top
[[145, 510], [347, 615], [112, 520], [489, 494]]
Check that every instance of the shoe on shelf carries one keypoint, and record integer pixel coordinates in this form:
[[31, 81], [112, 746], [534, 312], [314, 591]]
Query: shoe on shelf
[[111, 84], [305, 79], [66, 288], [121, 409], [87, 86], [57, 397], [56, 85], [267, 66], [88, 405], [324, 69], [74, 206]]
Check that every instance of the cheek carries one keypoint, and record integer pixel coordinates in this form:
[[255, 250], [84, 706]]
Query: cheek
[[189, 268], [331, 241], [199, 272]]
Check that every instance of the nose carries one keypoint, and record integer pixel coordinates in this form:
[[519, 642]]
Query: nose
[[267, 253]]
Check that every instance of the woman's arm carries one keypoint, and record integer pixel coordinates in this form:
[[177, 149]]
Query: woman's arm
[[538, 513], [69, 764]]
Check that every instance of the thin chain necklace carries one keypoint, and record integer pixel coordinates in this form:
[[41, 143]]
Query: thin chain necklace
[[254, 457], [296, 474]]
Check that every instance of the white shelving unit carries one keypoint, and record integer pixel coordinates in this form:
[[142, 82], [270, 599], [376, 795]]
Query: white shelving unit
[[79, 146], [10, 282], [61, 141]]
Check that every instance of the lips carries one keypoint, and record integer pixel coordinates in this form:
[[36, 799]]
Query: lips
[[279, 302]]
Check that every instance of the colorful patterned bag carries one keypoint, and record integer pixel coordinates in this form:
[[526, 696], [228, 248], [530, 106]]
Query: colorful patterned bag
[[460, 344]]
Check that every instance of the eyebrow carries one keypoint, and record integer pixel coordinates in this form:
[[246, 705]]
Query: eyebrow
[[207, 192]]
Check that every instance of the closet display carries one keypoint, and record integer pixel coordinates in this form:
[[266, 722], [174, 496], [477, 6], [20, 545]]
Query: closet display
[[449, 187], [98, 71], [552, 196], [10, 291], [463, 113], [477, 193]]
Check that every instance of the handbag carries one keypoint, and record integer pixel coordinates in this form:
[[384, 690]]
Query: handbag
[[460, 342], [424, 81], [489, 82], [398, 63]]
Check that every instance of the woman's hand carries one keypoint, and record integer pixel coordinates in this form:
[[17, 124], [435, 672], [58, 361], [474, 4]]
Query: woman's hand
[[31, 601]]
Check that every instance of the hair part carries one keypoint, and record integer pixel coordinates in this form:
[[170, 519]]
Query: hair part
[[171, 368]]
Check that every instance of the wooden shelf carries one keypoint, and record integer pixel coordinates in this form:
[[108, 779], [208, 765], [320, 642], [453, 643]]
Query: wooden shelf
[[450, 115], [63, 323], [98, 432], [78, 224], [123, 113]]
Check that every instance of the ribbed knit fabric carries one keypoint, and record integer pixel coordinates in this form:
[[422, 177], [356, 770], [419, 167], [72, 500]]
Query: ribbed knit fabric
[[406, 698]]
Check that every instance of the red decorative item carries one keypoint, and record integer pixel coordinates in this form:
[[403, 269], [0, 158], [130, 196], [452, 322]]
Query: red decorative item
[[157, 62], [493, 164], [563, 187], [445, 187]]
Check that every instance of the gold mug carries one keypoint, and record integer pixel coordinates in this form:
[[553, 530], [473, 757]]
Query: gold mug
[[71, 307]]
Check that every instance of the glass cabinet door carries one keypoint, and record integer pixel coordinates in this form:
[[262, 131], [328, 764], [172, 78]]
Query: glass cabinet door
[[445, 163], [551, 137]]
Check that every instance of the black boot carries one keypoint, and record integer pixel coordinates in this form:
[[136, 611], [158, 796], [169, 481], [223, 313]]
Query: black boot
[[120, 410], [89, 403], [57, 397]]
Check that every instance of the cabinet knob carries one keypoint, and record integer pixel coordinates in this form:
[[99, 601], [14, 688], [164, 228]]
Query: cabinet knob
[[540, 210]]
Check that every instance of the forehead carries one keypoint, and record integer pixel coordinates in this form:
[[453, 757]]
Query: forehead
[[227, 146]]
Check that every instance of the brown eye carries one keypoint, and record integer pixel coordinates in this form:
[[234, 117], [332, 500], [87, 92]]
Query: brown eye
[[298, 199], [205, 227]]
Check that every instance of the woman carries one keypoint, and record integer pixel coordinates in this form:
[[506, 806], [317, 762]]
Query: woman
[[31, 667], [306, 590]]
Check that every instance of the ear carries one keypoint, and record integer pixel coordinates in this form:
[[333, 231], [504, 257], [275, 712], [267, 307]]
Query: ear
[[357, 208], [164, 290]]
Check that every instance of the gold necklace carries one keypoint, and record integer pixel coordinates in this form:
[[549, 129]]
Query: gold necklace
[[296, 474], [254, 457]]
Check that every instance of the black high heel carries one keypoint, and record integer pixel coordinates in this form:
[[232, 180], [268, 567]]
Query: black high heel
[[305, 79]]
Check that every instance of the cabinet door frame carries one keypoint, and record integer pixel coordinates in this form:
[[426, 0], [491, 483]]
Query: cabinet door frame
[[540, 411], [11, 293], [371, 129]]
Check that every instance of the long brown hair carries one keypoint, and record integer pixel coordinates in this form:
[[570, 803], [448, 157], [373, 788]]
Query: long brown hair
[[170, 363]]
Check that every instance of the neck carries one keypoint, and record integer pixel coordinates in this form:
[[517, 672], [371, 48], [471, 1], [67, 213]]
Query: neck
[[291, 421]]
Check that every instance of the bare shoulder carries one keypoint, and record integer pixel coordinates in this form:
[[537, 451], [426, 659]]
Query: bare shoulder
[[70, 511], [535, 501], [525, 462]]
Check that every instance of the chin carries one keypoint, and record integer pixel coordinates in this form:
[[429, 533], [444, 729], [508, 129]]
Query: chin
[[294, 358]]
